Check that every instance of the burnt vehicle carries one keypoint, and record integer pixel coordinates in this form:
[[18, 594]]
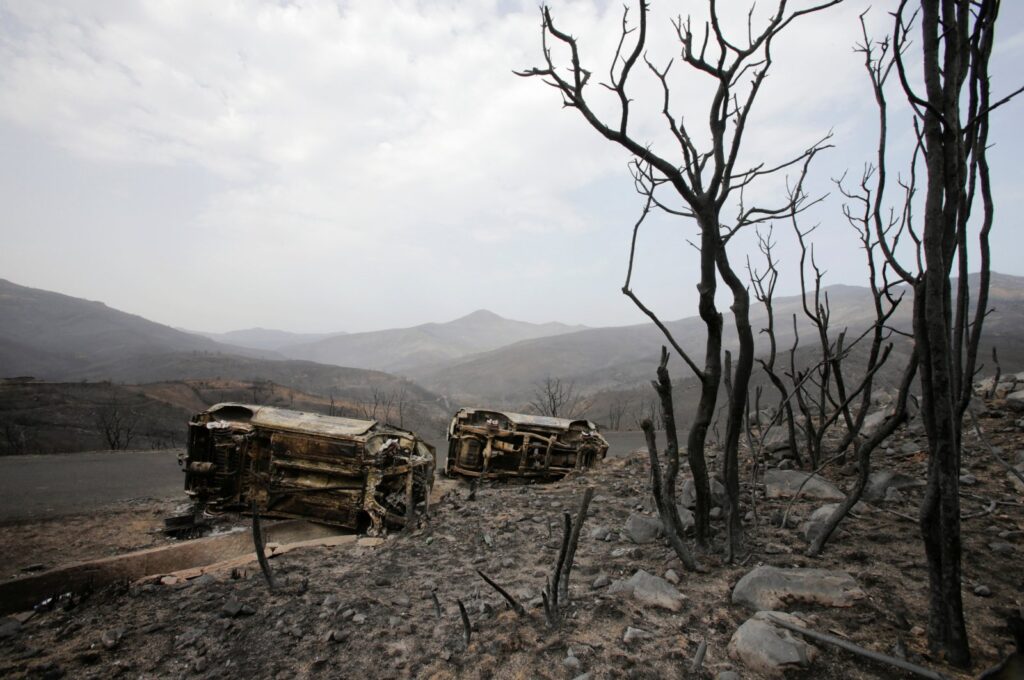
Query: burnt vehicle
[[498, 444], [358, 474]]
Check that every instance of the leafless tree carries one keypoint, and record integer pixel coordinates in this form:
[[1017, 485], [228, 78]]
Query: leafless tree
[[951, 121], [616, 412], [699, 183], [118, 424], [558, 399]]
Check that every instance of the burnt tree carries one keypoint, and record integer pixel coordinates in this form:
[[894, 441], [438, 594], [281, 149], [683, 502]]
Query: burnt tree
[[951, 120], [696, 181]]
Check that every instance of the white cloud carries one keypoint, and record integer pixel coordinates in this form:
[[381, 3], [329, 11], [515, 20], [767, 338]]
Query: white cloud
[[365, 131]]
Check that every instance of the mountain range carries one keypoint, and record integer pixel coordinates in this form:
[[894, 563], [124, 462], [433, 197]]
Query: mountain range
[[479, 359]]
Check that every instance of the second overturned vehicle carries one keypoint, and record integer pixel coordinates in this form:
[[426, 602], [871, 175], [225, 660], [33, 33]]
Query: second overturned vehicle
[[358, 474], [499, 444]]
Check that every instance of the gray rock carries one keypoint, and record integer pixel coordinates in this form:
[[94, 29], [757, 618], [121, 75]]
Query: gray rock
[[642, 529], [715, 513], [601, 581], [634, 635], [9, 627], [233, 608], [686, 518], [571, 662], [880, 481], [728, 675], [815, 524], [112, 638], [1001, 548], [982, 591], [784, 484], [1015, 400], [650, 590], [894, 495], [672, 577], [769, 649], [774, 588], [688, 494], [599, 533], [968, 480], [873, 421]]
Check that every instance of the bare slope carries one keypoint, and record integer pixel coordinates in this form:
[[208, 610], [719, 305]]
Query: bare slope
[[424, 346], [624, 357], [48, 335]]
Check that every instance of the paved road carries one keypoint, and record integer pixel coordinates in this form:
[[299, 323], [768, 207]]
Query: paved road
[[37, 487]]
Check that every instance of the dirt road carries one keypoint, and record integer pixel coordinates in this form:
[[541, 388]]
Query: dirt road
[[43, 487]]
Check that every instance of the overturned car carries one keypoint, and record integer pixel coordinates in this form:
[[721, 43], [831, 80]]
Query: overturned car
[[358, 474], [496, 444]]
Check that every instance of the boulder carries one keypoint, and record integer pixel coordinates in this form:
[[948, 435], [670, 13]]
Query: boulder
[[688, 494], [768, 649], [773, 588], [784, 484], [873, 421], [1015, 400], [880, 481], [816, 522], [686, 517], [642, 529], [650, 590]]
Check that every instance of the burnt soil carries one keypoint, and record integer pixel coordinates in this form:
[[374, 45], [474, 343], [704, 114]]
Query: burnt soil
[[361, 611]]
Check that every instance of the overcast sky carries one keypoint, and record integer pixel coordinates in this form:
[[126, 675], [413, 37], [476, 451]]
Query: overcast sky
[[320, 166]]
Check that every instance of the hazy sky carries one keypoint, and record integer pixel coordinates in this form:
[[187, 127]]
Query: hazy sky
[[319, 166]]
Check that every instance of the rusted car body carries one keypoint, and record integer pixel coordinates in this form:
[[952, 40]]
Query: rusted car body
[[358, 474], [497, 444]]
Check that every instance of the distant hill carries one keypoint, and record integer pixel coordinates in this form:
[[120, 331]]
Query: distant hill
[[264, 338], [49, 335], [400, 350], [623, 358]]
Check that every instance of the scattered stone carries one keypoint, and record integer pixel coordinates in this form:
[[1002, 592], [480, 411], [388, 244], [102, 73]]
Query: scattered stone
[[688, 494], [634, 635], [571, 662], [672, 577], [686, 518], [728, 675], [968, 480], [112, 638], [169, 580], [1015, 401], [650, 590], [773, 588], [359, 618], [894, 495], [1001, 547], [784, 484], [769, 649], [715, 513], [813, 527], [642, 529], [602, 581], [982, 591], [233, 609], [600, 533], [9, 627]]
